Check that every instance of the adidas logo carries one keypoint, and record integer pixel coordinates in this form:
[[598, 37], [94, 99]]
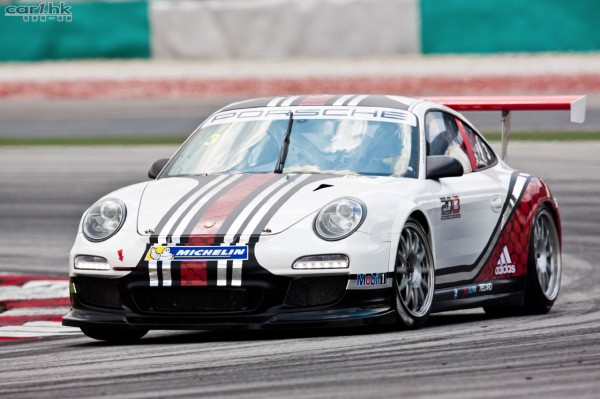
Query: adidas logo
[[505, 264]]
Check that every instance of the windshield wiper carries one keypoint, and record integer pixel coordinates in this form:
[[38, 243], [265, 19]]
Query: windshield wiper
[[284, 147]]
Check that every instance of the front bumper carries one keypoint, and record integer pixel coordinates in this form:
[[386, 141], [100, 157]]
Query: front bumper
[[278, 302]]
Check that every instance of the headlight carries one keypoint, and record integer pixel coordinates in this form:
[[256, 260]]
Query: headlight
[[339, 219], [90, 262], [104, 219]]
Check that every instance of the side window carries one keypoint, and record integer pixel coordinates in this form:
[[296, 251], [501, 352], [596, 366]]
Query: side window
[[444, 138], [484, 156]]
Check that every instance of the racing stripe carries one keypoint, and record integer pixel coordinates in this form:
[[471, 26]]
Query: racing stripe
[[288, 101], [178, 205], [153, 272], [249, 225], [238, 215], [341, 100], [225, 208], [316, 100], [237, 227], [220, 210], [275, 101], [165, 276], [271, 208], [179, 220], [266, 210], [247, 204], [356, 100], [188, 220], [180, 208]]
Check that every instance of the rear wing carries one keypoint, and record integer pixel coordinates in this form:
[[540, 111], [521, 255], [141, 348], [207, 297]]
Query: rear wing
[[506, 104]]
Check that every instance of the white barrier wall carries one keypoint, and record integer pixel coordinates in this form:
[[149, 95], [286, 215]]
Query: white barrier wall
[[283, 28]]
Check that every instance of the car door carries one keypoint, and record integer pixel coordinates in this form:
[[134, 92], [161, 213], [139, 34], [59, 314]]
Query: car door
[[468, 207]]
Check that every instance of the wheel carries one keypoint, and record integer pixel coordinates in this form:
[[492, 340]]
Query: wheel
[[414, 279], [114, 336], [544, 267]]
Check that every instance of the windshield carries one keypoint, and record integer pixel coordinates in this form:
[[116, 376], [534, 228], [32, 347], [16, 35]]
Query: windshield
[[367, 142]]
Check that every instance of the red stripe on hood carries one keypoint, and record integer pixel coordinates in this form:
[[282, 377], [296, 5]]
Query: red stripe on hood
[[194, 272], [223, 207]]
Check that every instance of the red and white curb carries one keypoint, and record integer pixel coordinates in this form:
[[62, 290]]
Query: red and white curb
[[31, 307]]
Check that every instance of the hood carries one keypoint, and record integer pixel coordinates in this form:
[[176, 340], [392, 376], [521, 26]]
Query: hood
[[240, 204]]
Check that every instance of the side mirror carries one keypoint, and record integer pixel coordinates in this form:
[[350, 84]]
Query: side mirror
[[157, 167], [439, 166]]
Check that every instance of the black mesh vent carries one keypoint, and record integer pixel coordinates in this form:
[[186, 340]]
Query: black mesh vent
[[315, 291], [195, 299], [98, 292]]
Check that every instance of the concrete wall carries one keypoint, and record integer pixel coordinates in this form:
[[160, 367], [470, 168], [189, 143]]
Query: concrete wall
[[275, 28]]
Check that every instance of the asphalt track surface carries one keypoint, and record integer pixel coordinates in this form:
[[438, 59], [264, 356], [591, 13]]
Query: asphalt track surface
[[43, 192]]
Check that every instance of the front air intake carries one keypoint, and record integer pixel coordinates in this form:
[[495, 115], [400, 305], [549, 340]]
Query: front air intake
[[315, 291], [98, 292], [196, 299]]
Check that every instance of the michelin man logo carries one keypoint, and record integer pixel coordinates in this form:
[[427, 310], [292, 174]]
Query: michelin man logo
[[164, 254]]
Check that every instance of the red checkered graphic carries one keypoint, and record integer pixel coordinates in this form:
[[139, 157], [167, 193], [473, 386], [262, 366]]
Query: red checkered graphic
[[516, 233], [193, 273]]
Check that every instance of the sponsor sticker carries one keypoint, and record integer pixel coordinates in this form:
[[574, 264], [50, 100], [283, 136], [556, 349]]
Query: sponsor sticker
[[505, 264], [486, 287], [181, 253], [450, 207], [370, 280], [464, 292]]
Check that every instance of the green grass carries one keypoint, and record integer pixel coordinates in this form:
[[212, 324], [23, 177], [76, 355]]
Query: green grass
[[176, 140]]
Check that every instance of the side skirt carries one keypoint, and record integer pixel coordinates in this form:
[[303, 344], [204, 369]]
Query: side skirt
[[502, 292]]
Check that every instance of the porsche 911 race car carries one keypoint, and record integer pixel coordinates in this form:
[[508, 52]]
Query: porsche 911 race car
[[311, 211]]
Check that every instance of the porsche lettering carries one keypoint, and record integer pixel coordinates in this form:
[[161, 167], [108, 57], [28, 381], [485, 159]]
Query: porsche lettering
[[357, 113]]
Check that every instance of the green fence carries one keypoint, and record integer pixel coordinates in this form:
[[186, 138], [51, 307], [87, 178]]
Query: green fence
[[492, 26], [97, 30], [121, 29]]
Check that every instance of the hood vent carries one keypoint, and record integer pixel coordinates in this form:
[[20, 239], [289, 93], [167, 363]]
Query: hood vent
[[323, 186]]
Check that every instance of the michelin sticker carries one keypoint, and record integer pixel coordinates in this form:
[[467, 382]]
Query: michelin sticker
[[185, 253]]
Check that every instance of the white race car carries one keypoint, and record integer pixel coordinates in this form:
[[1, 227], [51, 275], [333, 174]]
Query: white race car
[[317, 211]]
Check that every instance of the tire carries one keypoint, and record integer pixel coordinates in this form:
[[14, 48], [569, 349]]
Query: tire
[[542, 283], [113, 335], [544, 267], [414, 277]]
